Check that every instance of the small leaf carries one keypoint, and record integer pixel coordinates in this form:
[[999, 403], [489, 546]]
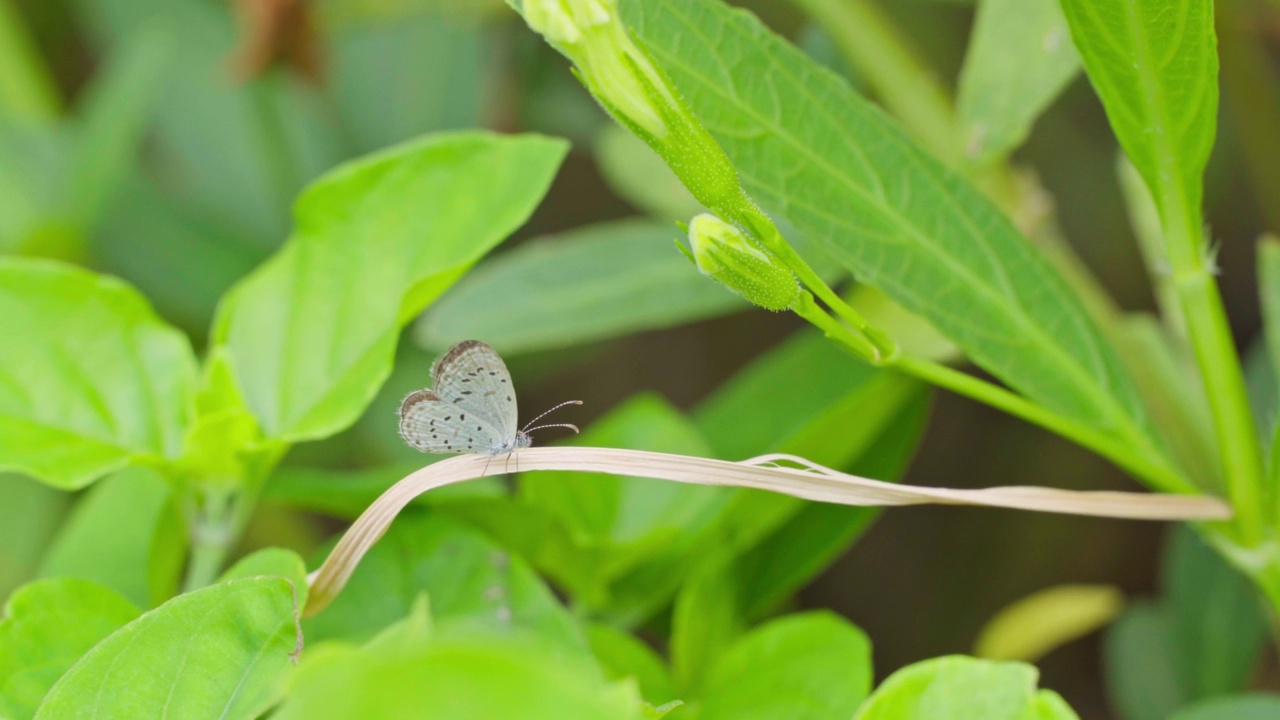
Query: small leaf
[[48, 626], [1032, 627], [956, 688], [219, 652], [807, 666], [593, 283], [97, 381], [705, 621], [311, 334], [125, 533], [1020, 57]]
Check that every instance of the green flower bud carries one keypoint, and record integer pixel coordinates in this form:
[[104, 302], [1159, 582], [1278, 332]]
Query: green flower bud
[[723, 253], [616, 71]]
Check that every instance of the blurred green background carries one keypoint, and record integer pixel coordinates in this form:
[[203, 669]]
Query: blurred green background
[[164, 140]]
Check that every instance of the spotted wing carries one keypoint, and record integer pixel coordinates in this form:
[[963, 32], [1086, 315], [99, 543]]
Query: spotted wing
[[434, 425], [472, 376]]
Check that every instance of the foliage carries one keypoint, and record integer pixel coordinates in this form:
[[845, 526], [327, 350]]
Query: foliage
[[211, 255]]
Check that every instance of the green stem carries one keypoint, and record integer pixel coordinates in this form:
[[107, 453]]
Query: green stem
[[211, 537]]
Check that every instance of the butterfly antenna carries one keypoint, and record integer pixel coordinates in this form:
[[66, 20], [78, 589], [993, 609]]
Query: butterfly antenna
[[563, 425], [526, 428]]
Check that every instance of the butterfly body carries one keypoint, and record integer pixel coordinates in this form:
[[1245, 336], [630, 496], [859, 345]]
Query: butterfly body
[[470, 408]]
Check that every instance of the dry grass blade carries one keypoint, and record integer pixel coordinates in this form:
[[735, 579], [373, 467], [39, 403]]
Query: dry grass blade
[[808, 481]]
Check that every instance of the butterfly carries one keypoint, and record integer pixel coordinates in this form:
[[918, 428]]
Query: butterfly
[[470, 408]]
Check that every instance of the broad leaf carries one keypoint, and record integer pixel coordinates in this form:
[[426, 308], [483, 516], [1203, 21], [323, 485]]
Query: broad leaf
[[1154, 65], [219, 652], [1020, 57], [960, 688], [705, 620], [274, 562], [312, 333], [48, 625], [474, 677], [97, 380], [811, 150], [808, 666], [466, 578], [125, 533], [594, 283]]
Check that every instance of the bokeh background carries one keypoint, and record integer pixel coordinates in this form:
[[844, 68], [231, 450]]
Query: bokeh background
[[229, 109]]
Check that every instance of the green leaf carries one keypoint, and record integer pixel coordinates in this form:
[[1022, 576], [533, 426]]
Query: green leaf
[[30, 514], [1269, 290], [219, 652], [594, 283], [97, 382], [468, 678], [274, 562], [346, 493], [467, 579], [622, 655], [1140, 661], [1035, 625], [387, 80], [1049, 705], [1218, 623], [48, 626], [1020, 57], [706, 619], [28, 91], [956, 688], [813, 151], [127, 534], [1154, 65], [312, 332], [807, 666], [1242, 707]]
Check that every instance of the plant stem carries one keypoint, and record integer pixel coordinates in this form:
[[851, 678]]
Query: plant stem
[[211, 539]]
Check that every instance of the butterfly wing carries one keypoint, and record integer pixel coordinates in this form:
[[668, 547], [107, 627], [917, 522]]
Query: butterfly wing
[[431, 424], [473, 377]]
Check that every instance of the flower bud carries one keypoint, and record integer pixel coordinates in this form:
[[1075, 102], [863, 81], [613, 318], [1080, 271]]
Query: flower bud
[[722, 252], [614, 69]]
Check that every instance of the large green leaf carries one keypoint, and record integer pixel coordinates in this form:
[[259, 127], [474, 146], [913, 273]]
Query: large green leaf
[[473, 677], [593, 283], [97, 380], [219, 652], [467, 579], [127, 534], [813, 151], [809, 666], [961, 688], [1020, 57], [1154, 65], [48, 626], [1141, 664], [312, 332], [622, 655]]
